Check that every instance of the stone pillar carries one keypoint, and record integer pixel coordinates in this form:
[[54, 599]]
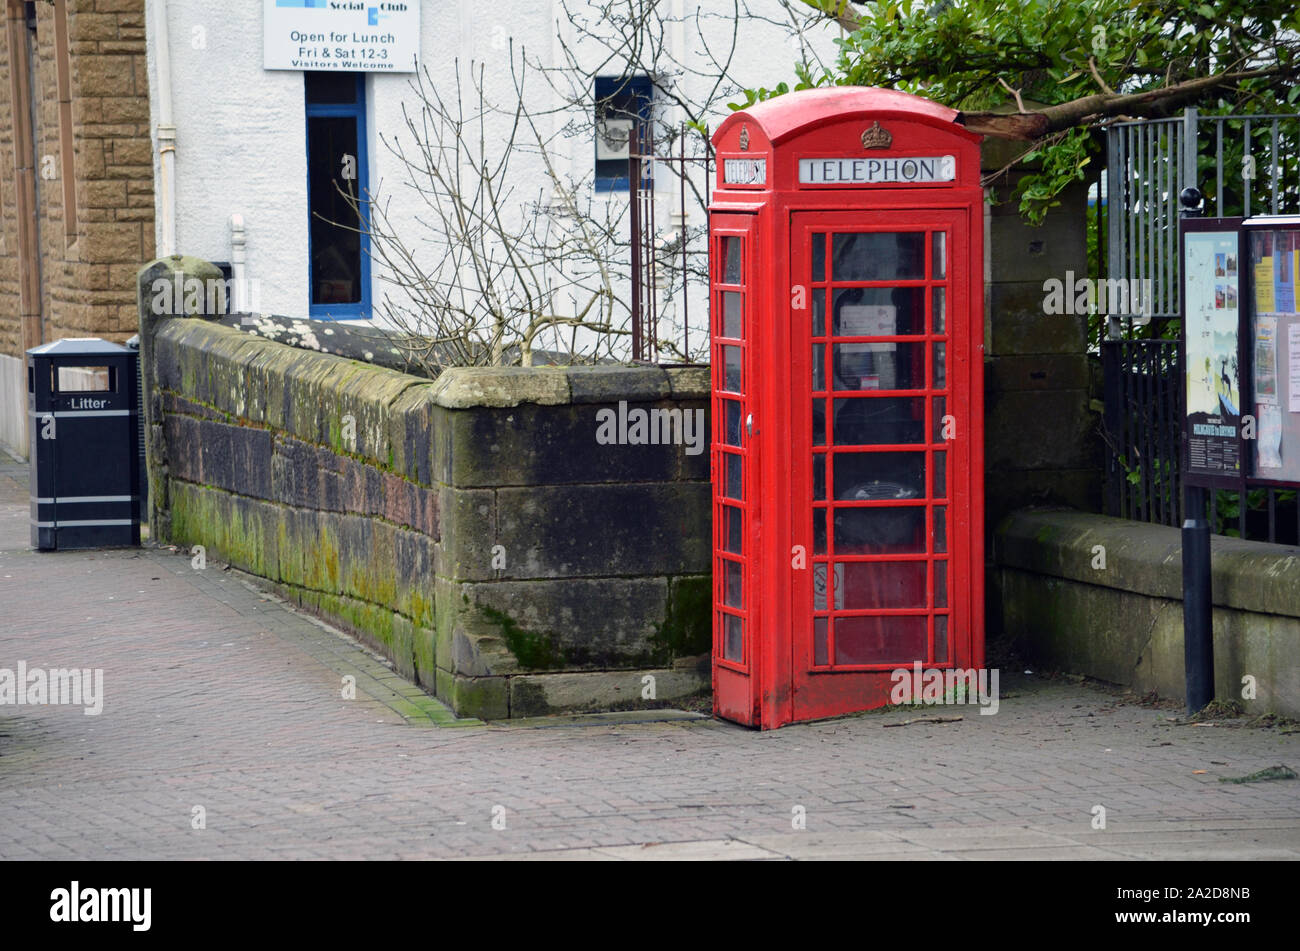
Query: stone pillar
[[161, 293], [1042, 438]]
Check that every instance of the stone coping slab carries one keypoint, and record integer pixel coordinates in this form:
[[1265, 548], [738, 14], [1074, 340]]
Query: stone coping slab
[[1147, 559], [462, 387]]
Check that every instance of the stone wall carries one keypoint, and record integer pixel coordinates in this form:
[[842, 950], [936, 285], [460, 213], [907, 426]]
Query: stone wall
[[1103, 596], [472, 528]]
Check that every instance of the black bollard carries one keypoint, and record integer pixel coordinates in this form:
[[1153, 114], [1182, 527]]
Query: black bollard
[[1198, 619]]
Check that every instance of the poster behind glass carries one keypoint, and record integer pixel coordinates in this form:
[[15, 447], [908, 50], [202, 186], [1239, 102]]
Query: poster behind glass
[[1212, 285], [1274, 257]]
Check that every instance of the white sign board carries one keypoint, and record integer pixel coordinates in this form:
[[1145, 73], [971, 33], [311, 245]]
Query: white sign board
[[854, 170], [744, 171], [355, 35]]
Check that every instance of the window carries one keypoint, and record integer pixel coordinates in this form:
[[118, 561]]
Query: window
[[336, 169], [621, 104]]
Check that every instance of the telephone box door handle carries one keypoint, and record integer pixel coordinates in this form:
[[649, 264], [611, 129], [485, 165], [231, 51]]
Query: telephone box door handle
[[749, 425]]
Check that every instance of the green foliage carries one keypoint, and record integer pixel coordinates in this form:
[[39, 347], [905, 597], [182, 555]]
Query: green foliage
[[971, 55], [1227, 508]]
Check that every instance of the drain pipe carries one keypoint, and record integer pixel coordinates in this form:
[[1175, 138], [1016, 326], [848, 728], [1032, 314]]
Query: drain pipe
[[166, 134], [26, 195]]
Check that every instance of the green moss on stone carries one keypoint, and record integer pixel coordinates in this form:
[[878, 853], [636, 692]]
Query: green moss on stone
[[686, 630], [534, 650]]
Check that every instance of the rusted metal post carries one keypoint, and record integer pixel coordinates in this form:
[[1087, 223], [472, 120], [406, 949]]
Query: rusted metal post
[[634, 215], [686, 303]]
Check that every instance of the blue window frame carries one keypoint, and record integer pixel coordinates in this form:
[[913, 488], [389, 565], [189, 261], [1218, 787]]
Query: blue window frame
[[622, 102], [338, 246]]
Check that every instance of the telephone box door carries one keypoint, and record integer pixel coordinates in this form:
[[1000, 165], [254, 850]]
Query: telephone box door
[[733, 286], [881, 493]]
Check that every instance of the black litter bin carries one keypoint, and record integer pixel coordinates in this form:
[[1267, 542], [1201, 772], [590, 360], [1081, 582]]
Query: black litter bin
[[82, 397]]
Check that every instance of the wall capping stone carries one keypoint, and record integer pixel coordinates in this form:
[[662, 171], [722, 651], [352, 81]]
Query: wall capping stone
[[1147, 559], [507, 387]]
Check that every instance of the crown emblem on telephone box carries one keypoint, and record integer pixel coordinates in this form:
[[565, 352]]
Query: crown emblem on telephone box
[[876, 137], [744, 138]]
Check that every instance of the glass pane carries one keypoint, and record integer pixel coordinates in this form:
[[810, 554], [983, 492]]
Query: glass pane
[[818, 313], [819, 531], [878, 256], [877, 311], [879, 476], [819, 366], [731, 260], [731, 369], [733, 487], [880, 584], [939, 315], [733, 594], [733, 523], [819, 256], [332, 222], [940, 475], [821, 589], [880, 531], [878, 366], [331, 88], [880, 640], [879, 420], [940, 529], [731, 429], [940, 402], [734, 638], [940, 366], [731, 314], [819, 423], [941, 638], [940, 584], [819, 641], [819, 476], [939, 255]]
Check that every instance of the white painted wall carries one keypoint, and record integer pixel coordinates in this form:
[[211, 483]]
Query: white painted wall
[[240, 147], [241, 129], [13, 405]]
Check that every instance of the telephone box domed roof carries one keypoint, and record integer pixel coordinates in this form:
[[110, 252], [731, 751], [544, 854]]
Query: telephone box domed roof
[[795, 112]]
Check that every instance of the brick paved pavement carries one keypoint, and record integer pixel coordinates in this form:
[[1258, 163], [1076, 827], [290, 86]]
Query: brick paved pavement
[[218, 696]]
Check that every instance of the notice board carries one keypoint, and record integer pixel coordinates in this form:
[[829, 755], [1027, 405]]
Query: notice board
[[1272, 246], [1212, 307]]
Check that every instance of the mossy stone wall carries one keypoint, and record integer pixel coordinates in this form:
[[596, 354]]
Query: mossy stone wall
[[471, 528], [1102, 596]]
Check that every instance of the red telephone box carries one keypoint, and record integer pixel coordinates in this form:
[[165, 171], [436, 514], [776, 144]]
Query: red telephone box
[[846, 267]]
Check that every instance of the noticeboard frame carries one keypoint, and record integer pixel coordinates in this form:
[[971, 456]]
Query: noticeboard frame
[[1247, 323], [1247, 341], [1198, 477]]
